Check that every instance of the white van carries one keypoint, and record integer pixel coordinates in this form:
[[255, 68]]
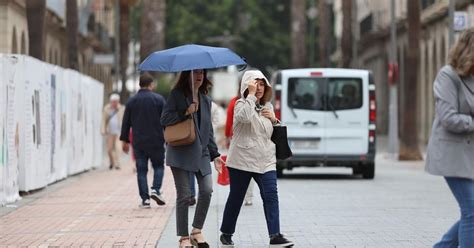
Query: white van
[[330, 117]]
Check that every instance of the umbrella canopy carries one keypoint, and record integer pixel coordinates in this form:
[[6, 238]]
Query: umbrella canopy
[[190, 57]]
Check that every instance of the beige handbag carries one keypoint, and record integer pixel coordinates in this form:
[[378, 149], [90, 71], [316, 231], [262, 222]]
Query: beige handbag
[[182, 133]]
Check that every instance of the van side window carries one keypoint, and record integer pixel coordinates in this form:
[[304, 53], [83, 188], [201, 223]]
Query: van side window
[[325, 94]]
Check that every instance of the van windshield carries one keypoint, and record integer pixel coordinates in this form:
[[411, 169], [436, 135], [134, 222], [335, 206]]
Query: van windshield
[[325, 94]]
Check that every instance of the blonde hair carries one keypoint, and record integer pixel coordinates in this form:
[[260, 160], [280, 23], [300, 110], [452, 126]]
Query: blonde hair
[[461, 55]]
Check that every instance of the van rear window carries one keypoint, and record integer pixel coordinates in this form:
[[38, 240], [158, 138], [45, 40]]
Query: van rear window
[[325, 94]]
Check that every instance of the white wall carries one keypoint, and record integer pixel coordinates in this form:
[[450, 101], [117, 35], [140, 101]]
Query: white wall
[[49, 124]]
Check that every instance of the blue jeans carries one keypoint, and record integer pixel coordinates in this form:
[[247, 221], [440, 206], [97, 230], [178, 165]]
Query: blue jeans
[[157, 162], [239, 182], [461, 234]]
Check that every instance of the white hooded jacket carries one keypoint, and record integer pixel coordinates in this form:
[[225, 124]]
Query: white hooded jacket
[[251, 148]]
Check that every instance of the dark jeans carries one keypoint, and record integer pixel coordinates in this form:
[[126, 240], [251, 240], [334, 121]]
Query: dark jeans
[[239, 182], [183, 192], [157, 163], [192, 183], [461, 234]]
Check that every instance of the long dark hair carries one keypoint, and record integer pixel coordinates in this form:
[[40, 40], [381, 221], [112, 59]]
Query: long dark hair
[[184, 80]]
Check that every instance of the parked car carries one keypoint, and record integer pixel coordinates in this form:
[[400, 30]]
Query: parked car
[[330, 116]]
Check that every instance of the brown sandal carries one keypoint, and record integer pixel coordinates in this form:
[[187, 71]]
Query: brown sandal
[[186, 246], [196, 243]]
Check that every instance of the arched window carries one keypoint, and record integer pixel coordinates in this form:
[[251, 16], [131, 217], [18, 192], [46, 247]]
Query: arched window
[[23, 43], [14, 41], [56, 57], [50, 59]]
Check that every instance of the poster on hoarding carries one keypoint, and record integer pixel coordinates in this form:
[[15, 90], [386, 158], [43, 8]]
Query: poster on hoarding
[[58, 152], [34, 172], [3, 147], [49, 124], [11, 109]]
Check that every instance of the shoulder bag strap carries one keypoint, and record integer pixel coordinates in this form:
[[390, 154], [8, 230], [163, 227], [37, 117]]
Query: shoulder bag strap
[[196, 127], [112, 115]]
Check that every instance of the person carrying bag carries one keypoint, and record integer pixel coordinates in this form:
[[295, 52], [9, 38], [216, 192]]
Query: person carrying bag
[[193, 158], [252, 155]]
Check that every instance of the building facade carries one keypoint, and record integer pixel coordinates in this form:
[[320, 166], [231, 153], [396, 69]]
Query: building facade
[[96, 34], [372, 45]]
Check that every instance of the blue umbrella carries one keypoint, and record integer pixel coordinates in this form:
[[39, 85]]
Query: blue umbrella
[[190, 57]]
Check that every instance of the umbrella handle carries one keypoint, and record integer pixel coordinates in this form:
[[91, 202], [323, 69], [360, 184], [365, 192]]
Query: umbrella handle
[[192, 84]]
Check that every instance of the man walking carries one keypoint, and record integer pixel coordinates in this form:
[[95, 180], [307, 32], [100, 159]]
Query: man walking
[[142, 114], [111, 121]]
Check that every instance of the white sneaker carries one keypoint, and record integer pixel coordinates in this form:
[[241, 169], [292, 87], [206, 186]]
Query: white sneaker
[[157, 197], [145, 204]]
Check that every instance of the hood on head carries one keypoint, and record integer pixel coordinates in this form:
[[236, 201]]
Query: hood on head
[[252, 75]]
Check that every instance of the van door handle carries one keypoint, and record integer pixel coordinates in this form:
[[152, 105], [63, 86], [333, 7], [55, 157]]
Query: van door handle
[[314, 123]]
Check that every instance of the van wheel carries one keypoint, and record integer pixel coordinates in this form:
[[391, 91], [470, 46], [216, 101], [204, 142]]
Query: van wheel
[[279, 172], [369, 171]]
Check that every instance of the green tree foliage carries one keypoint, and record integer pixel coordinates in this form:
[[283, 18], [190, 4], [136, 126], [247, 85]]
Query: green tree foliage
[[265, 42], [190, 21], [256, 29]]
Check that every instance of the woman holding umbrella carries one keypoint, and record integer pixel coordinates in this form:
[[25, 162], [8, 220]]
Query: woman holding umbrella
[[189, 97]]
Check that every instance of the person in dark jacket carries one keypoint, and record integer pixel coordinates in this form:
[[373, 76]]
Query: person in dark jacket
[[194, 158], [143, 113]]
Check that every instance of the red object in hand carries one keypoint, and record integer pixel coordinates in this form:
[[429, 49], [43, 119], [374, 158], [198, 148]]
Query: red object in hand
[[223, 177]]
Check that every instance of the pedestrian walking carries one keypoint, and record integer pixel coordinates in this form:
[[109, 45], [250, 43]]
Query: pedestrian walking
[[248, 201], [451, 145], [142, 114], [196, 157], [252, 155], [111, 123], [216, 123]]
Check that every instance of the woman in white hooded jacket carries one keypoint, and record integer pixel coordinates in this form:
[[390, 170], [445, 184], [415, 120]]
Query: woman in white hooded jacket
[[252, 155]]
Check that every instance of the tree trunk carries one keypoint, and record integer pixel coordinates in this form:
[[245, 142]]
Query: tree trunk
[[409, 149], [152, 33], [346, 39], [35, 14], [72, 34], [324, 34], [298, 30], [124, 44]]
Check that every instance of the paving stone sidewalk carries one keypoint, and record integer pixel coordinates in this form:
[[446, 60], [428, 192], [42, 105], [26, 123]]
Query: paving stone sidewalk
[[95, 209]]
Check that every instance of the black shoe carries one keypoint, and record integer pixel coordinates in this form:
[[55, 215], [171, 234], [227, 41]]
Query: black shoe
[[226, 240], [111, 166], [280, 241]]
